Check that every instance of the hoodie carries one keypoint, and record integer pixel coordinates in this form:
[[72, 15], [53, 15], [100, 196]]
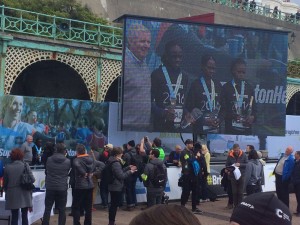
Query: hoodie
[[57, 170], [254, 172], [84, 166]]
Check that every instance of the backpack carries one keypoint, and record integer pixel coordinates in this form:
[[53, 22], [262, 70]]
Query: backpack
[[137, 160], [196, 166], [107, 173], [159, 176]]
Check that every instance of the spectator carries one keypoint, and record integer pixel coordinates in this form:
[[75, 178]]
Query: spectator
[[104, 182], [283, 172], [84, 166], [47, 152], [254, 175], [206, 154], [238, 159], [57, 170], [190, 179], [116, 175], [174, 156], [296, 181], [154, 169], [37, 152], [27, 149], [252, 6], [261, 209], [275, 12], [165, 215], [130, 181], [16, 197], [157, 144], [297, 15]]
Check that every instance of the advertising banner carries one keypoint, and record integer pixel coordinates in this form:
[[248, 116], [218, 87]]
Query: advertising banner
[[188, 77], [54, 120]]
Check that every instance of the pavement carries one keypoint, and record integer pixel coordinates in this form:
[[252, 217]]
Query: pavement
[[214, 213]]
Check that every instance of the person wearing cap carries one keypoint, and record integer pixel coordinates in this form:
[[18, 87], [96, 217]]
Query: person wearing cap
[[296, 181], [190, 180], [261, 209], [130, 181], [104, 183], [283, 171], [238, 159]]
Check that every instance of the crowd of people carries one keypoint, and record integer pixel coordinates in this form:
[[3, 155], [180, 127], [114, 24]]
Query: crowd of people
[[120, 169]]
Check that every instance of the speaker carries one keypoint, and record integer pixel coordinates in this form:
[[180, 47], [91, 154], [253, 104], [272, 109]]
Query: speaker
[[64, 27]]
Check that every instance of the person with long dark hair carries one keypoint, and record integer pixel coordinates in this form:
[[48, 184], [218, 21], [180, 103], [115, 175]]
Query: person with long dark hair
[[16, 197]]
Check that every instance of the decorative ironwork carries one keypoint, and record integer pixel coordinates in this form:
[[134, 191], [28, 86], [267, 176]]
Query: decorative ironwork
[[38, 24], [291, 90], [17, 59], [260, 10], [110, 70]]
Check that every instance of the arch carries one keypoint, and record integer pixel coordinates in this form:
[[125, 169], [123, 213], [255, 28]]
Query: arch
[[293, 105], [110, 71], [18, 59], [50, 79], [291, 90]]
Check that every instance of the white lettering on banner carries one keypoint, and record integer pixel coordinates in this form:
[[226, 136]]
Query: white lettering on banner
[[4, 153], [71, 153], [269, 95], [214, 179], [290, 132]]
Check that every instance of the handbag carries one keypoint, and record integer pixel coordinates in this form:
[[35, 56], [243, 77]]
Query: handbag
[[97, 171], [180, 181], [26, 179]]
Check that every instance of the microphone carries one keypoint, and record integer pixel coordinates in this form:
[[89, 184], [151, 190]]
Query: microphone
[[195, 114]]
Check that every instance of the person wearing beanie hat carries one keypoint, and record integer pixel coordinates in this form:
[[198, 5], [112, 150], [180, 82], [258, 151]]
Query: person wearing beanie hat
[[131, 143], [261, 209]]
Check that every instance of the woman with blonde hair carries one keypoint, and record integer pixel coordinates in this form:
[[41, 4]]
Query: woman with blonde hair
[[166, 215]]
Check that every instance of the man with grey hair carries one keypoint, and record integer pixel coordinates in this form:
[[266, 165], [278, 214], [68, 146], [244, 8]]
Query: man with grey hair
[[283, 171], [27, 149], [137, 82]]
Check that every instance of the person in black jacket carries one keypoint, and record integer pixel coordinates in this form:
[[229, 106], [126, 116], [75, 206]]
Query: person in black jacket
[[190, 179], [168, 87], [204, 95], [296, 181], [238, 107]]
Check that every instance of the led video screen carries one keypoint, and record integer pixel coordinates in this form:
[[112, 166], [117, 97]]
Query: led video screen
[[203, 78], [52, 120]]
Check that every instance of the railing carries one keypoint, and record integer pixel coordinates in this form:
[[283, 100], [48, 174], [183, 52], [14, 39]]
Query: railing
[[38, 24], [260, 10]]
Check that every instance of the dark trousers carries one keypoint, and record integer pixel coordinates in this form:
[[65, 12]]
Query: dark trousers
[[297, 193], [15, 216], [60, 199], [82, 197], [104, 192], [229, 192], [251, 189], [203, 188], [130, 183], [237, 190], [154, 198], [190, 184], [114, 203], [282, 189]]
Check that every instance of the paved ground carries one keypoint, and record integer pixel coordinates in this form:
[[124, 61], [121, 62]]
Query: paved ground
[[214, 214]]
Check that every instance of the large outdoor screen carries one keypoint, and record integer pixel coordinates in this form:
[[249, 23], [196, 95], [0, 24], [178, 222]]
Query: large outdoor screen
[[54, 120], [203, 78]]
